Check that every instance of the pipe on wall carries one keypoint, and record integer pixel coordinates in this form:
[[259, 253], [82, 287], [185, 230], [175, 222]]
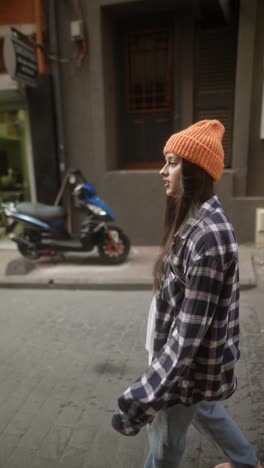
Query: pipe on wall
[[40, 29], [56, 74]]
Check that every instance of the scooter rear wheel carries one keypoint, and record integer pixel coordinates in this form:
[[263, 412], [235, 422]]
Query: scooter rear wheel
[[31, 253], [114, 246]]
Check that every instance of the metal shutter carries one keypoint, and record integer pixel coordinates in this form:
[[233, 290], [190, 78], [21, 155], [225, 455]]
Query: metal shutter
[[215, 80]]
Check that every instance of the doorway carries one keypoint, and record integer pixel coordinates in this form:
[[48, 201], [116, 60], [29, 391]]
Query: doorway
[[15, 183]]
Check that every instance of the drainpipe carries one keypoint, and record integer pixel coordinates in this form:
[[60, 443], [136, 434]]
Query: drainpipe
[[43, 66], [54, 50]]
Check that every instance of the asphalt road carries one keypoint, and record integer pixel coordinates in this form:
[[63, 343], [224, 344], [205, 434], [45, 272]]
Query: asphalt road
[[65, 357]]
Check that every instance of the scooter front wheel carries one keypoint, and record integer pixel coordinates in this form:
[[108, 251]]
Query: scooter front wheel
[[114, 246]]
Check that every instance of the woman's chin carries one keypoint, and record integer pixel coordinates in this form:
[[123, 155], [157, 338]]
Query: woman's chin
[[169, 192]]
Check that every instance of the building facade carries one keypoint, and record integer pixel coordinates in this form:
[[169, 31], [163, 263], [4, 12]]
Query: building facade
[[28, 156], [152, 68]]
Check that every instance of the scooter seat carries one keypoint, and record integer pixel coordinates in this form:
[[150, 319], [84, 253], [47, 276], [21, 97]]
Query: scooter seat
[[41, 211]]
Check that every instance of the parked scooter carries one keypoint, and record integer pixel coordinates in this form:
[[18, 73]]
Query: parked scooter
[[45, 229]]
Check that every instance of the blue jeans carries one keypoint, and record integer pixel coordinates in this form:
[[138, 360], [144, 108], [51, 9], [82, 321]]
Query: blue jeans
[[167, 435]]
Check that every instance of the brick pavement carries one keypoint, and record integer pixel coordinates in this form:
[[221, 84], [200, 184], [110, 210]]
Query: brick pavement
[[64, 359]]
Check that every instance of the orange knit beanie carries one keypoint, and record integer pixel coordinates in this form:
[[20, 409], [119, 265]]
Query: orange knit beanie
[[201, 144]]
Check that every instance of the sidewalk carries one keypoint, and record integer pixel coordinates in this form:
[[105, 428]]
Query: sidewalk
[[87, 272], [65, 358]]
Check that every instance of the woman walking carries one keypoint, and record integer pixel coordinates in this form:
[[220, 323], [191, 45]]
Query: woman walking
[[193, 326]]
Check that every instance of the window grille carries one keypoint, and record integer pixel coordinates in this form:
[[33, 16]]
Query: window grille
[[215, 72], [148, 71]]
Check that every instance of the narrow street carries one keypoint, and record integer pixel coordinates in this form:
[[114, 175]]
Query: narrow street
[[65, 358]]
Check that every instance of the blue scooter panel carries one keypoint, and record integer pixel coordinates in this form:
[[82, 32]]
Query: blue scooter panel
[[98, 202], [37, 222], [89, 189], [31, 220]]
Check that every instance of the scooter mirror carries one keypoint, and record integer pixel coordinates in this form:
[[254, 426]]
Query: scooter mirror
[[72, 179]]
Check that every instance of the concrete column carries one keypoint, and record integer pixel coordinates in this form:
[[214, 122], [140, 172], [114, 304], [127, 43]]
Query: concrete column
[[243, 91]]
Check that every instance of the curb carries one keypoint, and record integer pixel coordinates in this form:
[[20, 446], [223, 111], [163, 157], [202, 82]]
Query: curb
[[79, 286], [246, 286], [107, 286]]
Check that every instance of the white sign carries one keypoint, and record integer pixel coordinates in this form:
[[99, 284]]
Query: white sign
[[20, 61]]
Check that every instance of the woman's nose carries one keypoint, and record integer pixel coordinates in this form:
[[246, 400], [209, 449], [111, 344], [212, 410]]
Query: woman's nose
[[163, 170]]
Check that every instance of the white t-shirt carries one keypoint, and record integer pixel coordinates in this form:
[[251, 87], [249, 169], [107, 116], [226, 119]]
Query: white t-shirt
[[151, 329]]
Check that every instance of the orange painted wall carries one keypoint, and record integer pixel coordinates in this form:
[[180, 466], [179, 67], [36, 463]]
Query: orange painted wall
[[16, 12]]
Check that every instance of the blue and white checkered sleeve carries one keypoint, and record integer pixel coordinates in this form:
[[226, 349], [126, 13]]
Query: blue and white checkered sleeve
[[149, 394]]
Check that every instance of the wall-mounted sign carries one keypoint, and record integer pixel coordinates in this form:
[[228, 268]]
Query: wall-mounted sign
[[20, 60]]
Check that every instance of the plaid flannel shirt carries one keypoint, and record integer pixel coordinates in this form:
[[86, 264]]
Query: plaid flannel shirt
[[196, 343]]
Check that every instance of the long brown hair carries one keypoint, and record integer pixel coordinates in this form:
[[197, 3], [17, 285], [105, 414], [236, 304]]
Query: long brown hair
[[196, 186]]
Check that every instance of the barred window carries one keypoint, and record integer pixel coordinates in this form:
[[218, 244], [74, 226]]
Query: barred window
[[148, 71]]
